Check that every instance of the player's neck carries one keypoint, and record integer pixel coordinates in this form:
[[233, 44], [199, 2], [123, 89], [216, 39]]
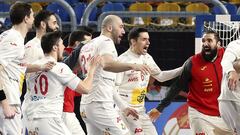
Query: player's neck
[[51, 54], [22, 28], [134, 51], [40, 33], [107, 34]]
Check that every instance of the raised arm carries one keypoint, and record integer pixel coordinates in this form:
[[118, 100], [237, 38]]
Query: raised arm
[[181, 83], [111, 65]]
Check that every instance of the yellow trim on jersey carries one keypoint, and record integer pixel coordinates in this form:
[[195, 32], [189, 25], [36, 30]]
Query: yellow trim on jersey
[[21, 82], [138, 96]]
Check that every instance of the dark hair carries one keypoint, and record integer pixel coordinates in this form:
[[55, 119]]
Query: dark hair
[[77, 36], [216, 35], [134, 33], [49, 40], [86, 28], [43, 15], [19, 11]]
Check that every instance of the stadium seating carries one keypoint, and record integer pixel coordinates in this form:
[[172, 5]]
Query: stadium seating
[[234, 1], [167, 21], [195, 8], [232, 9], [79, 10], [5, 8], [59, 10], [140, 7], [113, 7], [36, 7]]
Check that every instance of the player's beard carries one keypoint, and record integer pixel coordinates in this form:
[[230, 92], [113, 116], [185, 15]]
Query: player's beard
[[211, 56], [48, 29]]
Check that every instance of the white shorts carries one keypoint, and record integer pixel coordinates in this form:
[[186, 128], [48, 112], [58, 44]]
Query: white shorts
[[72, 123], [47, 126], [102, 118], [141, 126], [230, 112], [11, 126], [205, 124]]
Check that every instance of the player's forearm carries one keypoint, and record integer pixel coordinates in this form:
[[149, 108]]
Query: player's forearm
[[86, 85], [117, 67], [163, 76], [33, 68]]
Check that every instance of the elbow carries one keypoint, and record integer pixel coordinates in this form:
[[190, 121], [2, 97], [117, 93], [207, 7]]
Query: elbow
[[107, 67]]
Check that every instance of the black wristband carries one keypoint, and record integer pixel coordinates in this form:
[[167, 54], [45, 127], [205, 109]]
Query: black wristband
[[2, 95], [160, 108]]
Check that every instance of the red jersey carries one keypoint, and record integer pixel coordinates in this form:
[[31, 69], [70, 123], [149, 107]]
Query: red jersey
[[205, 84]]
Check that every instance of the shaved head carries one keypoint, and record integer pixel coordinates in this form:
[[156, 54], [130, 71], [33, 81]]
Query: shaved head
[[110, 20], [112, 27]]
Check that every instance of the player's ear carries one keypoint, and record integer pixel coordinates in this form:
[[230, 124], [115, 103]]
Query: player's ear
[[43, 24], [109, 28], [55, 47]]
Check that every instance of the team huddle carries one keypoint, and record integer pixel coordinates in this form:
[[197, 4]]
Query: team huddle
[[113, 87]]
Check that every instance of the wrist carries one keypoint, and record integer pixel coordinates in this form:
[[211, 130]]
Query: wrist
[[160, 108]]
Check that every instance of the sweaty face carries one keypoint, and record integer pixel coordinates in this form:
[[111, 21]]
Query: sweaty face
[[117, 31], [52, 24], [209, 47], [140, 46]]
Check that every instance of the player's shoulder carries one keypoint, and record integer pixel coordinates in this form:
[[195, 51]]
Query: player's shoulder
[[148, 56], [32, 43], [124, 56], [60, 67], [233, 44]]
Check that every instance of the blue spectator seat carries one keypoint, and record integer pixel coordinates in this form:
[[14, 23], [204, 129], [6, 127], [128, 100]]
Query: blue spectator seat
[[5, 8], [59, 10], [79, 10], [73, 3], [113, 7], [232, 9]]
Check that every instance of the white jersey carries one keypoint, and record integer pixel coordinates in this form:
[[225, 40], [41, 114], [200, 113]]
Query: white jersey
[[133, 84], [12, 60], [231, 54], [103, 82], [47, 89], [33, 50]]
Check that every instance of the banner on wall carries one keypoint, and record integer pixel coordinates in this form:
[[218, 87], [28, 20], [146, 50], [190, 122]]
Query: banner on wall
[[173, 120]]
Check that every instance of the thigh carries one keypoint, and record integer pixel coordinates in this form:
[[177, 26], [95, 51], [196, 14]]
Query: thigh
[[105, 117], [201, 123], [53, 126], [133, 124], [72, 123], [11, 126], [148, 127]]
